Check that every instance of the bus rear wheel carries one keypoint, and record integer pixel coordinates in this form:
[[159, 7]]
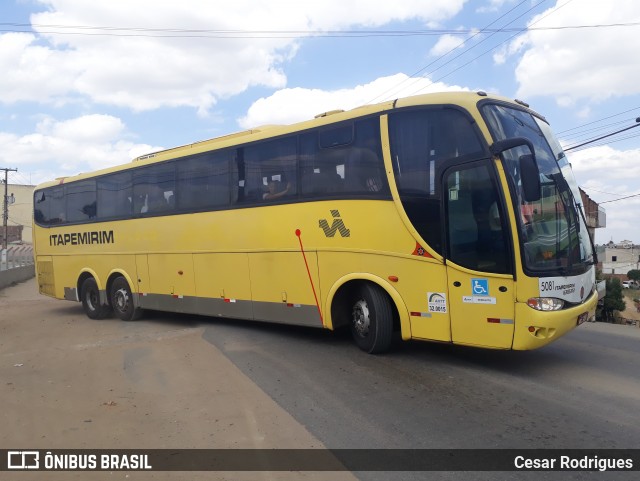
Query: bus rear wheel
[[122, 300], [372, 319], [90, 297]]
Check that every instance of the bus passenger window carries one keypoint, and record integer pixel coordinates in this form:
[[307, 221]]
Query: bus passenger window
[[50, 206], [153, 188], [203, 181], [81, 200], [114, 195], [272, 162], [343, 160]]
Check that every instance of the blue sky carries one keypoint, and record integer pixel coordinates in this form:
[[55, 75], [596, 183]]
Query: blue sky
[[87, 85]]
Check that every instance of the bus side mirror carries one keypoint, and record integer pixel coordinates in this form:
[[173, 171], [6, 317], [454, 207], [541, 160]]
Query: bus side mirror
[[501, 145], [529, 173], [530, 178]]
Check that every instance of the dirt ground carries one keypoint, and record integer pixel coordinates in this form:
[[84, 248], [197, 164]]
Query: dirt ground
[[69, 382], [631, 312]]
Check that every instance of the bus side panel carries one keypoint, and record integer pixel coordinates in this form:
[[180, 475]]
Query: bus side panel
[[46, 278], [142, 268], [222, 285], [68, 268], [416, 280], [281, 288], [171, 281]]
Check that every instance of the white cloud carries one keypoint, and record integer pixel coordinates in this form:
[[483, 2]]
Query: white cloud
[[59, 148], [296, 104], [493, 6], [141, 71], [447, 43], [607, 174], [588, 63]]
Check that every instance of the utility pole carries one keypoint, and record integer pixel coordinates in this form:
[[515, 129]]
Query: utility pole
[[5, 212]]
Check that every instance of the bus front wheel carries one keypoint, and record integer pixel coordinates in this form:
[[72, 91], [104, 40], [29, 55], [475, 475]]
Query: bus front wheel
[[90, 297], [122, 300], [372, 319]]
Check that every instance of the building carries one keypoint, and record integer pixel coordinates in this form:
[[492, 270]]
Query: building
[[595, 215], [618, 261], [625, 244], [20, 213]]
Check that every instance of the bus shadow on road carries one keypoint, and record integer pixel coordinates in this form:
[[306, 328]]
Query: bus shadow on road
[[318, 343], [520, 363]]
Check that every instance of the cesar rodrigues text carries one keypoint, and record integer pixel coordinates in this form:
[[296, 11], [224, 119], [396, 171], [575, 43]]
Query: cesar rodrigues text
[[570, 463]]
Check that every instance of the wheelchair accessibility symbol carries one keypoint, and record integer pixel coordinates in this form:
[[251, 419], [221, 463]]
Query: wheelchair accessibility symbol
[[480, 287]]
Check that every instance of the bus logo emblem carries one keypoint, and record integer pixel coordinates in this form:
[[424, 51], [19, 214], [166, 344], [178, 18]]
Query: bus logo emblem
[[337, 225]]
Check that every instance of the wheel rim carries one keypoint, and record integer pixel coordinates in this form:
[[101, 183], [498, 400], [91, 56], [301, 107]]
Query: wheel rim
[[121, 300], [361, 319], [92, 300]]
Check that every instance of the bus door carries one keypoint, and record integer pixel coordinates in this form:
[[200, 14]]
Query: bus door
[[481, 294]]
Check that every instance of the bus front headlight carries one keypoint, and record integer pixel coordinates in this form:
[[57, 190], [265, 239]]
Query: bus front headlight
[[545, 303]]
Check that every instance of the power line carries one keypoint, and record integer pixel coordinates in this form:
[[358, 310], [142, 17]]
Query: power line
[[413, 75], [496, 46], [604, 136], [277, 34], [621, 198], [599, 120], [607, 142], [586, 133]]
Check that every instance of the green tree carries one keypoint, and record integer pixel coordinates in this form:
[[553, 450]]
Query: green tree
[[613, 300], [634, 274]]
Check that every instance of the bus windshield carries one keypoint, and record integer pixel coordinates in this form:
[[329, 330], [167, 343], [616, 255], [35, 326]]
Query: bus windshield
[[553, 233]]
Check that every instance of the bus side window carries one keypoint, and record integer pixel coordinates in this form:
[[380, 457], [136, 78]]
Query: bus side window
[[81, 200], [203, 181], [114, 195], [153, 188], [267, 162], [364, 169], [49, 206], [422, 141], [345, 159]]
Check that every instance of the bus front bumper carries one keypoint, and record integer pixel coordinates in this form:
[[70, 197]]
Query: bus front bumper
[[534, 329]]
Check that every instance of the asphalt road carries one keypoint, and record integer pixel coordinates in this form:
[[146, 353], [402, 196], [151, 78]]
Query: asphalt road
[[583, 391], [191, 382]]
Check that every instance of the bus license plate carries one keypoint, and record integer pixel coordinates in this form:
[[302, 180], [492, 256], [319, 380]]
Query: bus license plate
[[583, 317]]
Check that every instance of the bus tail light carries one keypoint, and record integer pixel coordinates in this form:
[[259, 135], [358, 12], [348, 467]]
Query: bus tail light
[[545, 303]]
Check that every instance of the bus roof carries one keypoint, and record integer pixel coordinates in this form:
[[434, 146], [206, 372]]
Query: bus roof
[[464, 99]]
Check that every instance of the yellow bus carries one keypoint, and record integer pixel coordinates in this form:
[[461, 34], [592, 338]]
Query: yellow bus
[[450, 217]]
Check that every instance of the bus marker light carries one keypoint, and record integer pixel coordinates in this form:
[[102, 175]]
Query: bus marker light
[[420, 314], [532, 329], [493, 320], [229, 300], [393, 278]]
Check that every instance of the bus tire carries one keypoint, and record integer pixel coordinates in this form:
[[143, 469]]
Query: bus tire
[[371, 319], [122, 300], [90, 297]]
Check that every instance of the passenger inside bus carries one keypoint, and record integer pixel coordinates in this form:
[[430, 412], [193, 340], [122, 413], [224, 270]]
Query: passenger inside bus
[[275, 190]]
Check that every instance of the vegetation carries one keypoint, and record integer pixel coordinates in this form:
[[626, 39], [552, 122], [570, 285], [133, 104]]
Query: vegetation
[[634, 275], [613, 300]]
